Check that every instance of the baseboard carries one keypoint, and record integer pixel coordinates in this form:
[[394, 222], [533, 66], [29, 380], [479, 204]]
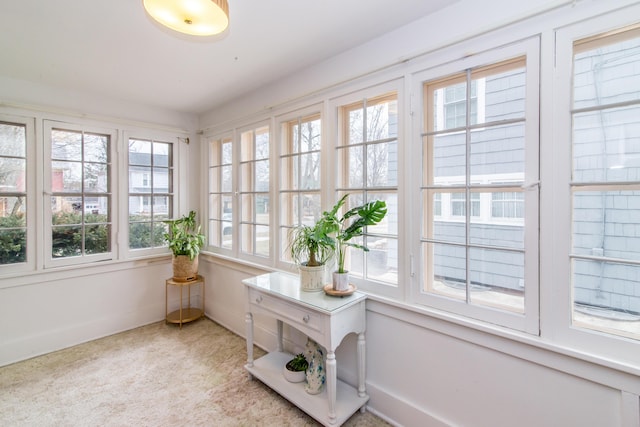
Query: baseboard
[[399, 412]]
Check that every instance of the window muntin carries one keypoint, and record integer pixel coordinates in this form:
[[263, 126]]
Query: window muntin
[[255, 203], [471, 255], [150, 192], [13, 193], [80, 193], [221, 193], [368, 170], [300, 175], [605, 186]]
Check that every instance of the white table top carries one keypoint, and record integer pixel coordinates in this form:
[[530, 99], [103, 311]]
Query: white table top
[[286, 285]]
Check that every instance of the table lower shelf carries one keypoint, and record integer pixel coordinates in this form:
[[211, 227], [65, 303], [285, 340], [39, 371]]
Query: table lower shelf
[[188, 315], [268, 369]]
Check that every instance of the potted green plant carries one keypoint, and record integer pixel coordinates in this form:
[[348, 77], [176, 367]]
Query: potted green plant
[[185, 241], [346, 227], [310, 248], [295, 369]]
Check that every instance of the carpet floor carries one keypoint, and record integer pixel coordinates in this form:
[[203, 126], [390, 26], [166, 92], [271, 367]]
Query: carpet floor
[[155, 375]]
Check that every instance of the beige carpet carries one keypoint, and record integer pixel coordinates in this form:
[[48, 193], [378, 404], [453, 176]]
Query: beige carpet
[[156, 375]]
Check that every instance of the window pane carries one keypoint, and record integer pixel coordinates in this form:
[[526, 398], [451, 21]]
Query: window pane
[[448, 159], [66, 177], [497, 152], [139, 152], [502, 93], [497, 278], [96, 239], [445, 269], [382, 164], [606, 145], [382, 121], [606, 224], [309, 171], [95, 177], [162, 154], [13, 231], [66, 145], [261, 169], [140, 235], [226, 178], [356, 126], [12, 175], [350, 161], [66, 241], [12, 140], [607, 296], [96, 148], [607, 73]]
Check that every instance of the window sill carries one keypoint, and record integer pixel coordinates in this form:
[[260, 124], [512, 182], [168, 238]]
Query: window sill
[[25, 278]]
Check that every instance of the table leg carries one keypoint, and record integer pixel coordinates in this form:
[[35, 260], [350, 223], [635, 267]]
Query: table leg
[[202, 297], [249, 323], [280, 339], [360, 351], [331, 385], [180, 306]]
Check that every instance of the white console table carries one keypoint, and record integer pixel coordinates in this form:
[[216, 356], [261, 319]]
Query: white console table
[[326, 320]]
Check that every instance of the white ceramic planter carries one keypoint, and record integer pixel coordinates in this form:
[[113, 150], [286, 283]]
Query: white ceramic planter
[[312, 278], [294, 376], [340, 281]]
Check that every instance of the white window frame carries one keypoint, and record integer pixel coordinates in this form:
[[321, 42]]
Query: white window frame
[[123, 189], [282, 121], [214, 210], [50, 262], [33, 203], [238, 203], [529, 321], [335, 127], [558, 311]]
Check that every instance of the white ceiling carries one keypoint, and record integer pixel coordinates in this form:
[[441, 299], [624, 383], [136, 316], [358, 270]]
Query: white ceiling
[[111, 48]]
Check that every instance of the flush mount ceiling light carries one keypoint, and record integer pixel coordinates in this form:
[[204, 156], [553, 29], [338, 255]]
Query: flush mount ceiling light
[[193, 17]]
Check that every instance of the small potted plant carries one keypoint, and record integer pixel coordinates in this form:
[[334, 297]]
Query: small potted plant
[[311, 248], [185, 241], [346, 227], [295, 369]]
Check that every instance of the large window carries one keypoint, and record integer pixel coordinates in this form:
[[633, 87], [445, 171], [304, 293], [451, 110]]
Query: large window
[[367, 157], [150, 192], [605, 183], [479, 153], [255, 203], [300, 171], [221, 189], [80, 193], [13, 193]]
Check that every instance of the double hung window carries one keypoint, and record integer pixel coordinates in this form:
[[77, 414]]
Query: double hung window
[[300, 173], [255, 206], [221, 193], [367, 156], [14, 232], [79, 193], [150, 192], [605, 183], [479, 153]]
